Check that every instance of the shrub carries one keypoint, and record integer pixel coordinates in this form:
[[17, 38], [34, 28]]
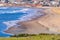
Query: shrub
[[23, 35]]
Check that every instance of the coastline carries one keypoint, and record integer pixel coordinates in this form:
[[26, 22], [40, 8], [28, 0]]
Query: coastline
[[38, 20], [34, 25], [7, 23]]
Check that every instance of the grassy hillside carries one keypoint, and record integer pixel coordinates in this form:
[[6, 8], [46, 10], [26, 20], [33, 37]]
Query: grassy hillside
[[38, 37]]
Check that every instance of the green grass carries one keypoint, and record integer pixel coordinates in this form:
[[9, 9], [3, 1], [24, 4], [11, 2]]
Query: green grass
[[38, 37]]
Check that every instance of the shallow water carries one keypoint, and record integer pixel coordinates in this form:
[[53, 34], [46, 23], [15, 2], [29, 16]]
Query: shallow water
[[5, 16], [13, 14]]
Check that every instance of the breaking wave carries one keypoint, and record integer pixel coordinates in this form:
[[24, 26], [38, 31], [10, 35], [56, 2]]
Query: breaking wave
[[6, 10], [13, 19], [30, 14]]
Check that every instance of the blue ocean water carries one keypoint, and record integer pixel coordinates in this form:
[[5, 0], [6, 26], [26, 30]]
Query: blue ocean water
[[16, 13], [8, 14]]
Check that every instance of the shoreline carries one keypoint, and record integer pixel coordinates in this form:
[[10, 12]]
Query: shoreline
[[28, 22], [51, 22]]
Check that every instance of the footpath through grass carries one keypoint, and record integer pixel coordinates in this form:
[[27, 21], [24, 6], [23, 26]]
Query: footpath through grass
[[38, 37]]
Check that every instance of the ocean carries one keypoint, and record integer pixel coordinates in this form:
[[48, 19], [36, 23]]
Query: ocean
[[9, 16]]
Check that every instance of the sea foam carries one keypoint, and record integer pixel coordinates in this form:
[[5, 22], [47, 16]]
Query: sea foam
[[31, 13]]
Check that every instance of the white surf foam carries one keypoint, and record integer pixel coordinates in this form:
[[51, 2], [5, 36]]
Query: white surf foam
[[13, 11], [30, 15]]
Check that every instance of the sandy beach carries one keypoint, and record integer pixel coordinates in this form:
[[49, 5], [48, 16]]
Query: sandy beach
[[48, 23]]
